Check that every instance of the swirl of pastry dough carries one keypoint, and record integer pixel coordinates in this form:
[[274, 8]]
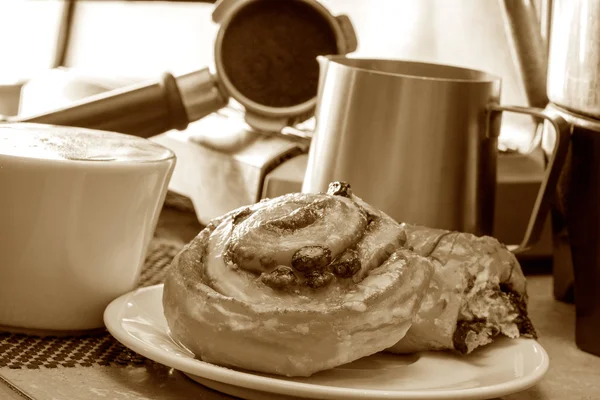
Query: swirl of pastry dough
[[478, 293], [295, 285]]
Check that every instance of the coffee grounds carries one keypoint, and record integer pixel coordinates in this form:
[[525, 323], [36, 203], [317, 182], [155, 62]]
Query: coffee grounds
[[269, 51]]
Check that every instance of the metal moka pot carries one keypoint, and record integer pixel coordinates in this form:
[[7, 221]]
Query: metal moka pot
[[566, 80]]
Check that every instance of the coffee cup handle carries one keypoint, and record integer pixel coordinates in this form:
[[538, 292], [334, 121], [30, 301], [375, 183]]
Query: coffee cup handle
[[552, 171]]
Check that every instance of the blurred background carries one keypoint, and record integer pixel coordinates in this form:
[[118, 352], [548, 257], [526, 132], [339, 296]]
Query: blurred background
[[140, 39]]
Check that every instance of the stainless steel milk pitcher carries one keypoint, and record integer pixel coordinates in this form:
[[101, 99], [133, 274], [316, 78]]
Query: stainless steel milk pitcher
[[419, 141]]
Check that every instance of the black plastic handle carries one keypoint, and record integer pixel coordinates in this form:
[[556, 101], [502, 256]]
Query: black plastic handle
[[143, 110]]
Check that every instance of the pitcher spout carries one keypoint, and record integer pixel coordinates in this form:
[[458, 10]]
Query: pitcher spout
[[323, 63]]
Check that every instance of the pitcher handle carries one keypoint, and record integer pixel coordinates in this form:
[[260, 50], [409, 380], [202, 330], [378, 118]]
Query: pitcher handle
[[552, 171]]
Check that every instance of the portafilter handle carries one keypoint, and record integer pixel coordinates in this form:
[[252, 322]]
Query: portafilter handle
[[146, 109]]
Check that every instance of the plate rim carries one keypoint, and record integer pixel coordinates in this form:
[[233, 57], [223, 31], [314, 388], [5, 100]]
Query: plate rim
[[113, 321]]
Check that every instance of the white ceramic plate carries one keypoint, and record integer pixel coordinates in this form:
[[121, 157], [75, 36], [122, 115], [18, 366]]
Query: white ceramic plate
[[507, 366]]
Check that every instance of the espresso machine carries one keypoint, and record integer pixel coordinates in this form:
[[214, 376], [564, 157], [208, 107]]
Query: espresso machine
[[563, 74]]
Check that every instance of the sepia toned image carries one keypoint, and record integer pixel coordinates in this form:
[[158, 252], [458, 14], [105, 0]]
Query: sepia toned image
[[300, 199]]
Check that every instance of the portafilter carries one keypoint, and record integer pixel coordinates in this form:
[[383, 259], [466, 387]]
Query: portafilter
[[265, 57]]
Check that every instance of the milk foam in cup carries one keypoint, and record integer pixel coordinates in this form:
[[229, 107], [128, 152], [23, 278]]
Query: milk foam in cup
[[78, 209]]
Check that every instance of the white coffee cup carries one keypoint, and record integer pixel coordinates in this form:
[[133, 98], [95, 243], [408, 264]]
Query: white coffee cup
[[78, 209]]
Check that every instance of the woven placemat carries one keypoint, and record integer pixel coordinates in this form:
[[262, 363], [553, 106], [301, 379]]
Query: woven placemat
[[179, 202], [19, 351]]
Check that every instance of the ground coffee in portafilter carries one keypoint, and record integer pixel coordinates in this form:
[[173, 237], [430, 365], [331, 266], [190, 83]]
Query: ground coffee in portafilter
[[269, 51]]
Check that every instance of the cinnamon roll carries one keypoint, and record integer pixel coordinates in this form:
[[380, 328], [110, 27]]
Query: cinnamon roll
[[295, 285], [477, 294]]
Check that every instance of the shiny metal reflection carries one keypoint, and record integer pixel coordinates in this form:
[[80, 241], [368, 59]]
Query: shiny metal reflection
[[417, 140]]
